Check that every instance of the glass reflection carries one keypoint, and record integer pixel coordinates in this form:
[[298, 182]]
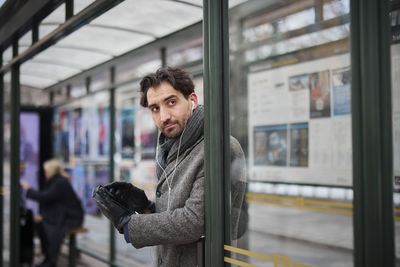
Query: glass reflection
[[291, 112], [395, 71], [81, 141]]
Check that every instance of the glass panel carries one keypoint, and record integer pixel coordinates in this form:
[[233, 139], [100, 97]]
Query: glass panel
[[100, 81], [171, 16], [136, 136], [7, 55], [57, 16], [188, 52], [111, 42], [25, 42], [60, 96], [70, 57], [34, 97], [78, 89], [6, 167], [135, 69], [290, 112], [395, 65], [54, 72], [81, 141]]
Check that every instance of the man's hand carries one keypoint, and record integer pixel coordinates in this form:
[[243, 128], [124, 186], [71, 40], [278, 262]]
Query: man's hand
[[129, 196], [114, 211]]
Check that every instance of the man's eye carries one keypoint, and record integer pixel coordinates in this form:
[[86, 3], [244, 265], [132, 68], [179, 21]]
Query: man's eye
[[154, 109], [172, 102]]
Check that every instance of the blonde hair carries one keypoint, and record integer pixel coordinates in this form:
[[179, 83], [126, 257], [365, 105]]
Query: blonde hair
[[53, 167]]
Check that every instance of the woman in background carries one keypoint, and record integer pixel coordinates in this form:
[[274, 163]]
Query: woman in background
[[60, 210]]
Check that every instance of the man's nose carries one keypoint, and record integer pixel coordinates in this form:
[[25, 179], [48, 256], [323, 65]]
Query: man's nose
[[164, 115]]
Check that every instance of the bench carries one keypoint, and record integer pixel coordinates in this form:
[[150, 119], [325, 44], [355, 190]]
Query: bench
[[72, 244]]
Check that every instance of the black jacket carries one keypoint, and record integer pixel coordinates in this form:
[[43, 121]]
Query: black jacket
[[59, 204]]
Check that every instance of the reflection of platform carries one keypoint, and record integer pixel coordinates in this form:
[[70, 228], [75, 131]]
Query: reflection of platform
[[315, 238], [308, 237]]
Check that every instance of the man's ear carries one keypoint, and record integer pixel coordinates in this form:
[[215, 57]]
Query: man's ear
[[193, 100]]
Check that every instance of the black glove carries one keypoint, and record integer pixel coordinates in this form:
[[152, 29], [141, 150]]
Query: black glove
[[118, 214], [129, 196]]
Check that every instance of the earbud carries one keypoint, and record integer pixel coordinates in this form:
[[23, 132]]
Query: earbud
[[192, 105]]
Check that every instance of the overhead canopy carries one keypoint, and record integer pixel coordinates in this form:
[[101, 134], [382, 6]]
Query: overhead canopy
[[123, 28]]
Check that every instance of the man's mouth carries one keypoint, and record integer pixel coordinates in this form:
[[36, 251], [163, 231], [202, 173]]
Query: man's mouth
[[168, 126]]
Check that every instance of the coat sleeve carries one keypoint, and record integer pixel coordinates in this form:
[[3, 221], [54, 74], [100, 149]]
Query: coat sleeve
[[180, 226], [238, 188], [52, 193]]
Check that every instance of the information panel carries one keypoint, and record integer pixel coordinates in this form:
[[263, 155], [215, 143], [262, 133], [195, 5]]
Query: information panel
[[300, 123]]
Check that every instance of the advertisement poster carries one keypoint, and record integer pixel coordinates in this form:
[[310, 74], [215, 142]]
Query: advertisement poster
[[272, 141], [29, 154], [127, 132], [341, 91], [64, 134], [300, 123], [103, 118], [77, 135], [299, 145], [78, 181], [320, 94], [146, 133]]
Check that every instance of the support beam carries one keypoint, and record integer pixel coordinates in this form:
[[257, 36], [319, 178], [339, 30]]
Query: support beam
[[69, 9], [15, 193], [21, 22], [111, 157], [372, 134], [85, 16], [216, 129]]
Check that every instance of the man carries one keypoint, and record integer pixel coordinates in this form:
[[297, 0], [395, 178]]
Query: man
[[176, 221]]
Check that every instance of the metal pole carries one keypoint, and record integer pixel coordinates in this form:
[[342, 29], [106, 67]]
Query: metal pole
[[372, 134], [163, 55], [14, 164], [216, 129], [111, 157], [1, 158]]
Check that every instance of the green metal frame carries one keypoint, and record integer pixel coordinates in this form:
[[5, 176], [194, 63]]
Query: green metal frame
[[111, 158], [372, 134], [216, 129], [14, 162]]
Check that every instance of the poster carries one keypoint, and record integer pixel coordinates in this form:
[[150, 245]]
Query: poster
[[300, 123], [320, 96], [270, 145], [341, 91], [77, 136], [127, 132], [29, 154], [64, 134], [299, 145], [78, 180], [103, 131], [146, 133]]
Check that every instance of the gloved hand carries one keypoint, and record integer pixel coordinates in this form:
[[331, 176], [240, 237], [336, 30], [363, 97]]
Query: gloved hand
[[129, 196], [117, 213]]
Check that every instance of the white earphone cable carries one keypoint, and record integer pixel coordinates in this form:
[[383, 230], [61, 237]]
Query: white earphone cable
[[169, 182]]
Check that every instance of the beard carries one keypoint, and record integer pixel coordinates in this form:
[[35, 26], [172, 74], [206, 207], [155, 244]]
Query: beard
[[174, 131]]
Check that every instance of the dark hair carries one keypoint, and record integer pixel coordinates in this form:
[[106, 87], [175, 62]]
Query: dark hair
[[177, 77]]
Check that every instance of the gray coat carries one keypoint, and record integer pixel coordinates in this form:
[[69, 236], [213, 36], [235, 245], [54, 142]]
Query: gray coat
[[177, 231]]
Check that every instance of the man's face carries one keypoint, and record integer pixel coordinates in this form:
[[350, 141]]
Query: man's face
[[169, 108]]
